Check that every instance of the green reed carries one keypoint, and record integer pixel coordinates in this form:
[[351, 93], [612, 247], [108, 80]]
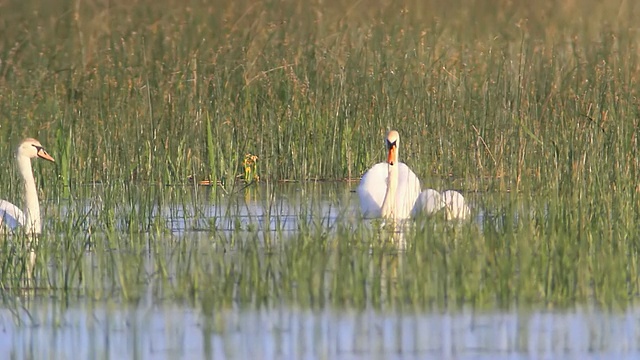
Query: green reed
[[525, 252], [160, 95], [532, 107], [512, 261]]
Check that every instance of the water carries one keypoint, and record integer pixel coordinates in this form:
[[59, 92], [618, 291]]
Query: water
[[343, 302], [156, 331]]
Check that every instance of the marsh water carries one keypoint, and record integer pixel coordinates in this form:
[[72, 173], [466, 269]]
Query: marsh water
[[291, 271], [156, 331]]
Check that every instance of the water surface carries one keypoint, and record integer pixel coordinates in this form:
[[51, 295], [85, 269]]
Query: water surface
[[157, 331], [325, 285]]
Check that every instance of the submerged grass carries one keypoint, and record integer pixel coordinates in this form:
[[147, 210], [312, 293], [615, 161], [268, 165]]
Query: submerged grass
[[533, 107], [524, 253]]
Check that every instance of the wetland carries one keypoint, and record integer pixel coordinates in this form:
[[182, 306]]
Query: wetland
[[202, 201]]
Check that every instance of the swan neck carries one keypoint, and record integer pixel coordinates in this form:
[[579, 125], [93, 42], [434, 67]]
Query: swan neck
[[32, 207], [389, 204]]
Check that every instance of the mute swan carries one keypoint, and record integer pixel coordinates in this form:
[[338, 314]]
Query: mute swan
[[430, 201], [10, 214], [389, 189]]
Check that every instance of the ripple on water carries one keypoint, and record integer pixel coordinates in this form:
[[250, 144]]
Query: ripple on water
[[101, 330]]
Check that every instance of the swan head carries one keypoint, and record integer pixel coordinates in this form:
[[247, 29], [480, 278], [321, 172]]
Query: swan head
[[392, 141], [31, 148]]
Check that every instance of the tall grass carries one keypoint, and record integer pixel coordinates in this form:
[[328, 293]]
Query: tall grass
[[500, 95], [489, 96], [532, 260]]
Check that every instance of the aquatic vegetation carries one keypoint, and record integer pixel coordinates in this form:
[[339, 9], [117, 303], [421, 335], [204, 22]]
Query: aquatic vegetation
[[250, 164], [529, 112]]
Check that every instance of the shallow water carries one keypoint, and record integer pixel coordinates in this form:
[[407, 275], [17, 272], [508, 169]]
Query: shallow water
[[286, 210], [156, 331], [356, 307]]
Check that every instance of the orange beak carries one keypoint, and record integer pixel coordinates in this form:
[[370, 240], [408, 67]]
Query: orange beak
[[42, 154], [392, 154]]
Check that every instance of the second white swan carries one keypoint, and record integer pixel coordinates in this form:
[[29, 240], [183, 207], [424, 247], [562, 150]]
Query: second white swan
[[10, 214]]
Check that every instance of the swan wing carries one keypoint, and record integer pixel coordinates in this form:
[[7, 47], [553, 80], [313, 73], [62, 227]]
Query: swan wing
[[11, 215], [429, 202], [408, 191], [456, 205], [372, 189]]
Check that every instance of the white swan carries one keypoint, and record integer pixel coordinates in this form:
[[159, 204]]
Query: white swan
[[430, 202], [389, 189], [10, 214]]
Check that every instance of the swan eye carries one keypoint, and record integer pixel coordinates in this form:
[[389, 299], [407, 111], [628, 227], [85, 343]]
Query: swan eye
[[42, 153]]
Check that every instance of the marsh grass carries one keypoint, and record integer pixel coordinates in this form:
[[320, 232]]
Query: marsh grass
[[533, 108], [151, 95], [516, 258]]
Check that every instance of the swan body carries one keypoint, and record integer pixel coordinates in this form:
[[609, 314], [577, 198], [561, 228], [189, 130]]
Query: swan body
[[10, 214], [373, 190], [456, 207], [389, 189], [392, 190], [430, 202]]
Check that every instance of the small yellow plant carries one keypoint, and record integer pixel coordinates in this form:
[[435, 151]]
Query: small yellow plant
[[250, 168]]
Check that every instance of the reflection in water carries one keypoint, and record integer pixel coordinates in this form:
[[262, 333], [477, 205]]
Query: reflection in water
[[293, 207], [343, 278], [114, 331], [262, 208]]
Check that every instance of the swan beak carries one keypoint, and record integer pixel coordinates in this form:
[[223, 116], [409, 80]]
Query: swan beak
[[391, 159], [43, 154]]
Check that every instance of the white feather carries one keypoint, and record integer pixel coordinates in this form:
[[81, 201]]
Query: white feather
[[429, 202], [455, 205], [11, 215], [373, 188]]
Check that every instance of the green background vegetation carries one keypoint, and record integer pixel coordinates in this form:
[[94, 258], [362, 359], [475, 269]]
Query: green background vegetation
[[532, 106]]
